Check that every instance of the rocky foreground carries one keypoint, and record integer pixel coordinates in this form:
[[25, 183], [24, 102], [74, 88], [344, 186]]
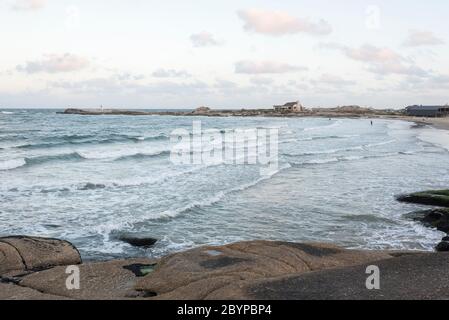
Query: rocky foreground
[[36, 268]]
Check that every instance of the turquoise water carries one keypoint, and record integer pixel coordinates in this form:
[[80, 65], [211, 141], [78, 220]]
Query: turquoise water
[[89, 178]]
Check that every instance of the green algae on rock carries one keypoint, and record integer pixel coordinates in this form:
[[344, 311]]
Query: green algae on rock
[[438, 198]]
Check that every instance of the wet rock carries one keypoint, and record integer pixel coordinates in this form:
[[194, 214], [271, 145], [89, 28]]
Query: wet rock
[[33, 253], [411, 277], [202, 271], [438, 198], [137, 240], [436, 218], [92, 186], [442, 246]]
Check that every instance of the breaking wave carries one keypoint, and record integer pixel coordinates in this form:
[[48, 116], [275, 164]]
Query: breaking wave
[[71, 140]]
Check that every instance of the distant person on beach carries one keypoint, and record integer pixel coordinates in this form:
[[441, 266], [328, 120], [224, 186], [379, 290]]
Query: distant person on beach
[[371, 122]]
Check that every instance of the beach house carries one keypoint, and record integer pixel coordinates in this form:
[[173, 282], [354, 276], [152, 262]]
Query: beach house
[[289, 107], [427, 111]]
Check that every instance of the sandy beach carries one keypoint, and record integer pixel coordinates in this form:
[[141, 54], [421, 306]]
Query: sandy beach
[[439, 123], [440, 136]]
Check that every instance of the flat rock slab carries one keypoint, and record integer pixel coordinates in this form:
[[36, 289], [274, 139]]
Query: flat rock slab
[[102, 280], [10, 291], [197, 273], [35, 253], [411, 277]]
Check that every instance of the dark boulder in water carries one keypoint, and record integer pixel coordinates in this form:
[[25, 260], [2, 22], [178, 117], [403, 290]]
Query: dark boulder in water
[[436, 218], [137, 240], [438, 198], [442, 246], [92, 186]]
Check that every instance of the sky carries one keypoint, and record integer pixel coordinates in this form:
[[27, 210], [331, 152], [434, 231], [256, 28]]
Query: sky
[[223, 54]]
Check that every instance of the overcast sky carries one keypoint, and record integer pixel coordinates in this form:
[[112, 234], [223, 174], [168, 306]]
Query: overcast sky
[[223, 54]]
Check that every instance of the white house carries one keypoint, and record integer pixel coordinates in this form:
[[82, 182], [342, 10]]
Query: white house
[[290, 107]]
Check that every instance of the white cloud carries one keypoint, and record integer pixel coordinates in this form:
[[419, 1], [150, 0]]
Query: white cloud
[[203, 39], [369, 53], [434, 82], [55, 63], [418, 38], [170, 73], [28, 5], [278, 23], [261, 81], [126, 76], [382, 61], [334, 80], [265, 67], [112, 86]]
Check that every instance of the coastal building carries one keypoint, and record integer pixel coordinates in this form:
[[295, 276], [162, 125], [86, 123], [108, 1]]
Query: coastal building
[[427, 111], [201, 110], [289, 107]]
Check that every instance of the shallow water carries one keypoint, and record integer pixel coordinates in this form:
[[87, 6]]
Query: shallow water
[[89, 178]]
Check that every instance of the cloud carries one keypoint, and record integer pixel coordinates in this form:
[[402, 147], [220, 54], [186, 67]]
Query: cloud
[[55, 63], [369, 53], [418, 38], [382, 61], [278, 23], [203, 39], [113, 86], [170, 73], [125, 76], [261, 81], [435, 82], [28, 5], [265, 67], [225, 84], [334, 80]]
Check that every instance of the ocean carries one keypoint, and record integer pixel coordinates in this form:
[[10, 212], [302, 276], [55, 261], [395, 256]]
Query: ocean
[[88, 179]]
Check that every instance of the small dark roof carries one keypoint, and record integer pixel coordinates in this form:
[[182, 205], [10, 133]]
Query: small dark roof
[[291, 104], [427, 108]]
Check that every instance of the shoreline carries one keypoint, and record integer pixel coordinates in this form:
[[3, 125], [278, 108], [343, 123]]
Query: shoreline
[[335, 113], [439, 123]]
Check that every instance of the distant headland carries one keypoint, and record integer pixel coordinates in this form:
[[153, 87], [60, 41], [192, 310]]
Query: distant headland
[[290, 109]]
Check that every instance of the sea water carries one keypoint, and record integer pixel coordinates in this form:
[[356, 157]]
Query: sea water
[[88, 179]]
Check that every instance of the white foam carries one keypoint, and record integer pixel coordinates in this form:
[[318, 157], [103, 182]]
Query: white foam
[[12, 164], [217, 197], [336, 123], [380, 143], [321, 161], [113, 154], [435, 137]]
